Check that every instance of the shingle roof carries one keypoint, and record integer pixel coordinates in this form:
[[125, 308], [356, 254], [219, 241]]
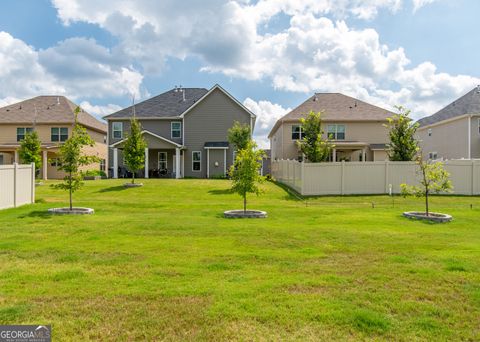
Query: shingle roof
[[467, 104], [336, 107], [168, 104], [50, 109]]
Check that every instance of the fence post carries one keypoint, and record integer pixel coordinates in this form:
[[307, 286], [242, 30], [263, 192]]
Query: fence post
[[473, 177], [302, 183], [342, 191], [15, 171], [386, 177], [33, 183]]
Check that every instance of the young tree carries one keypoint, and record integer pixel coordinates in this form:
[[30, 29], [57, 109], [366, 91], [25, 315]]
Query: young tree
[[71, 158], [403, 146], [245, 172], [30, 150], [313, 146], [134, 148], [239, 135], [434, 179]]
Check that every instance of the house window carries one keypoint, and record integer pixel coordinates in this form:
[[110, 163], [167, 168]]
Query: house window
[[102, 164], [176, 129], [59, 134], [196, 161], [297, 132], [162, 161], [117, 130], [432, 155], [55, 162], [22, 131], [429, 132], [336, 132]]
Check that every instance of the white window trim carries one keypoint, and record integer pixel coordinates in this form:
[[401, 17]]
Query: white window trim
[[430, 155], [336, 131], [25, 130], [197, 161], [166, 160], [59, 134], [171, 130], [116, 130], [300, 133], [429, 132]]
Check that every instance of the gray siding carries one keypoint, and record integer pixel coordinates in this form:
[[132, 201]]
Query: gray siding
[[210, 121], [216, 156]]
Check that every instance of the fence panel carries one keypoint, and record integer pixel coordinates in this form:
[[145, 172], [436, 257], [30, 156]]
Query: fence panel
[[17, 185], [369, 177]]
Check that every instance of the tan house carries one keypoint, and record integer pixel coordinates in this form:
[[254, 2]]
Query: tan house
[[454, 131], [356, 128], [53, 118]]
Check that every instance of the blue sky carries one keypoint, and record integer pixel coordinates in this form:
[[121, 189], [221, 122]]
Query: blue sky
[[271, 55]]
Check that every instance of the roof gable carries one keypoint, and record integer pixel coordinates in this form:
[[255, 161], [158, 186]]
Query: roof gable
[[466, 104], [47, 110]]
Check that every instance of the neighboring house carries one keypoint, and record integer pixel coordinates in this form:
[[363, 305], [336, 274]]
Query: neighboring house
[[186, 132], [454, 131], [266, 163], [53, 118], [356, 128]]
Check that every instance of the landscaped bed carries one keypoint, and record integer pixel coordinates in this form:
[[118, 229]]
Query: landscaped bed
[[161, 263]]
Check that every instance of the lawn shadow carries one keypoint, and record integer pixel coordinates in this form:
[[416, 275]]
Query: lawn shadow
[[37, 213], [113, 188], [220, 192], [290, 194]]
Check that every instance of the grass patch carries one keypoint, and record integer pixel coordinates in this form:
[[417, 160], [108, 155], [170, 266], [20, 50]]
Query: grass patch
[[161, 263]]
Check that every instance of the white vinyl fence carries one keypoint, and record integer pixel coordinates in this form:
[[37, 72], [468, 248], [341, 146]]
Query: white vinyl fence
[[346, 178], [17, 185]]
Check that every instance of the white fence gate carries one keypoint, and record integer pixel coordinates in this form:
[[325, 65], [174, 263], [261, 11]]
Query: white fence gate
[[345, 178], [17, 185]]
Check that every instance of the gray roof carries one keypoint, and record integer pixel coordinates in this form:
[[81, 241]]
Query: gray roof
[[467, 104], [165, 105], [216, 144], [49, 110]]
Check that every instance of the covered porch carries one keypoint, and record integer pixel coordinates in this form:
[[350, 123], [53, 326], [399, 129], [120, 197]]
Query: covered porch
[[350, 151], [163, 158]]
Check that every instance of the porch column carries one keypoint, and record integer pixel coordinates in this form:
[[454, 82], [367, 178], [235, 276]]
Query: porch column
[[364, 155], [146, 162], [17, 160], [208, 163], [177, 163], [115, 163], [334, 156], [45, 165], [225, 162]]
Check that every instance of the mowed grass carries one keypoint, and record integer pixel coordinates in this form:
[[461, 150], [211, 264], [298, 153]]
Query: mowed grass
[[161, 263]]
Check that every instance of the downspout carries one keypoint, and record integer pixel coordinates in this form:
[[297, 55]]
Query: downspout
[[469, 137]]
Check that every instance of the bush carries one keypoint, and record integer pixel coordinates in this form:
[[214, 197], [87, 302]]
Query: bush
[[93, 173]]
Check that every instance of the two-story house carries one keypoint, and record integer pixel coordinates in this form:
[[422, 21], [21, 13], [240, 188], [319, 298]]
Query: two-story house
[[454, 131], [186, 132], [53, 118], [356, 129]]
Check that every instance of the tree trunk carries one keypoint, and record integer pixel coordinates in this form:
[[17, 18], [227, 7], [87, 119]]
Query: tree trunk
[[133, 177], [245, 203], [70, 191], [426, 203]]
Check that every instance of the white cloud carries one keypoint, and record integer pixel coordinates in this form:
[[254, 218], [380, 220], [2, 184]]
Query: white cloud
[[417, 4], [99, 111], [267, 114], [75, 68]]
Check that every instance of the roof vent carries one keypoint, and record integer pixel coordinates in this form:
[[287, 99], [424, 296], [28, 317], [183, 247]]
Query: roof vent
[[478, 89], [20, 107], [355, 104], [315, 98]]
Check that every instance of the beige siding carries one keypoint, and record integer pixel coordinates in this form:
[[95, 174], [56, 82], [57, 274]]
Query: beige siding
[[475, 137], [210, 121], [368, 132], [379, 155], [448, 139]]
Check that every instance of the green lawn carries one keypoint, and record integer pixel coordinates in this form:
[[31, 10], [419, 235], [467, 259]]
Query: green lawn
[[161, 263]]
